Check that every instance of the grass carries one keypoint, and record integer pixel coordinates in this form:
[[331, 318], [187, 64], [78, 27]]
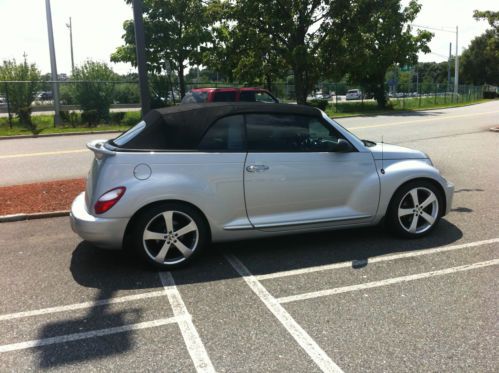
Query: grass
[[44, 124], [347, 109]]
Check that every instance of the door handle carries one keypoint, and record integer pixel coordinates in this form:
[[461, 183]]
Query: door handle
[[257, 168]]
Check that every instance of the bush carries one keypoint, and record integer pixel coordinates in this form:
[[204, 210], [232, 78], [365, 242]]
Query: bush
[[91, 117], [321, 104], [22, 93], [117, 117], [95, 91]]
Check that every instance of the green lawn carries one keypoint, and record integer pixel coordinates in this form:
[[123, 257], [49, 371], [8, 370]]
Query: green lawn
[[348, 109], [45, 125]]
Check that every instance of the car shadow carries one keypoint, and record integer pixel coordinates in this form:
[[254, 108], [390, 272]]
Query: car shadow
[[112, 271], [109, 273]]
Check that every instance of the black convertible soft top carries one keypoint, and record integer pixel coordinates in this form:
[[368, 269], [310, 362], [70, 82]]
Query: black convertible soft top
[[182, 126]]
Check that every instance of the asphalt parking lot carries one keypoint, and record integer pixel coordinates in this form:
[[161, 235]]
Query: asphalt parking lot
[[353, 300]]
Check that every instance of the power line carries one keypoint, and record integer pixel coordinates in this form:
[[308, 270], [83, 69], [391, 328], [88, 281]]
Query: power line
[[433, 28]]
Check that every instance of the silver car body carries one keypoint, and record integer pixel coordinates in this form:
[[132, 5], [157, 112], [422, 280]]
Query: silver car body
[[295, 192]]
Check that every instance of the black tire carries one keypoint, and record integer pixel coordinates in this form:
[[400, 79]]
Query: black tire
[[401, 225], [154, 220]]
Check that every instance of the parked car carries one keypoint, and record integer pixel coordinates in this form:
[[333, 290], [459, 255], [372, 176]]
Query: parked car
[[44, 96], [200, 95], [189, 175], [354, 94]]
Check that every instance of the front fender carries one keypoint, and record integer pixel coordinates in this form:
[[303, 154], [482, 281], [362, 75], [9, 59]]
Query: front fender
[[399, 172]]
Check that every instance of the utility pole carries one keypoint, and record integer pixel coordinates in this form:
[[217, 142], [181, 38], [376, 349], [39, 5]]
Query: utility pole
[[140, 50], [53, 65], [448, 67], [456, 72], [70, 26]]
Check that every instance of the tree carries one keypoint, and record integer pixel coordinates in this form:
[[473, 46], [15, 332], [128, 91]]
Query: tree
[[276, 36], [22, 93], [491, 17], [378, 36], [94, 91], [480, 61], [174, 31]]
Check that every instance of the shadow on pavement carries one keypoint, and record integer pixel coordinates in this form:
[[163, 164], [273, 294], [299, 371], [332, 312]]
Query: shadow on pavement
[[108, 272]]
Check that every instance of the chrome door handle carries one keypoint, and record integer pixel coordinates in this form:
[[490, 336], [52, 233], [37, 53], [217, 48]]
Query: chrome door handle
[[257, 168]]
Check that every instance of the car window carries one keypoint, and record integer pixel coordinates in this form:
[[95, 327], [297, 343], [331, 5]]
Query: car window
[[194, 97], [264, 97], [224, 96], [130, 134], [225, 135], [248, 96], [289, 133]]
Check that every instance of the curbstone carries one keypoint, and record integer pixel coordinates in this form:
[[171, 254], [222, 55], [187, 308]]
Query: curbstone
[[36, 215]]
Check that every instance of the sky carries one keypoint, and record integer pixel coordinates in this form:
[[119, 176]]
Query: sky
[[98, 28]]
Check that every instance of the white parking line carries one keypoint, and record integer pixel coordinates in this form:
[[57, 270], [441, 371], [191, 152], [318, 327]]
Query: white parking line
[[390, 281], [304, 340], [77, 306], [378, 259], [192, 340], [90, 334]]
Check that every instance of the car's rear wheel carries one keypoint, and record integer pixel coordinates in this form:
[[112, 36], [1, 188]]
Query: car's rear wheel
[[170, 235], [415, 209]]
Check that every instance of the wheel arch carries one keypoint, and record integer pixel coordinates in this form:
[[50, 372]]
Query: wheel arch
[[424, 179], [137, 213]]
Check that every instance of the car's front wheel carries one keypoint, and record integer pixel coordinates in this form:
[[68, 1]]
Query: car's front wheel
[[170, 235], [415, 209]]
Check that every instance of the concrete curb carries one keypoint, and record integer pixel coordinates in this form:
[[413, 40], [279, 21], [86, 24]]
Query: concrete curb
[[36, 215], [56, 135]]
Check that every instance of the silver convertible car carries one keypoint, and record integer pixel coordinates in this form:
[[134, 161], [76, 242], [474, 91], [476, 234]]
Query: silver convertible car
[[194, 174]]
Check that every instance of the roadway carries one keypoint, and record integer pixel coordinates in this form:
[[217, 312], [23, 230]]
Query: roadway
[[352, 301], [53, 158]]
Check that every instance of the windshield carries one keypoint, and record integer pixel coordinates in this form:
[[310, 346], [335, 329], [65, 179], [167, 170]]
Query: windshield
[[129, 135]]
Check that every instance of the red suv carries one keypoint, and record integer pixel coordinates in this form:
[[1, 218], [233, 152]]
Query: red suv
[[200, 95]]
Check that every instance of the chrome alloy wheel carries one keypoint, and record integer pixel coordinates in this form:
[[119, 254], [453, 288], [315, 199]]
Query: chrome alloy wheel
[[418, 210], [170, 237]]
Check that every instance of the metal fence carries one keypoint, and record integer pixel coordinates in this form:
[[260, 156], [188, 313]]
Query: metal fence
[[124, 95]]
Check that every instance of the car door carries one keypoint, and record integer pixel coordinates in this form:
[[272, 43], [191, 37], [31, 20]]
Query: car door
[[294, 176]]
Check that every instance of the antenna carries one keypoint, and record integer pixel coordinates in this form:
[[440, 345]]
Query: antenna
[[382, 157]]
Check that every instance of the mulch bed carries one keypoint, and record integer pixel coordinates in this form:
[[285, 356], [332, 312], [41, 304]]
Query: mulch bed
[[39, 197]]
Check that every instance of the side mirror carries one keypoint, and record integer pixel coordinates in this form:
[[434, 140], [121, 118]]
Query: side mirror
[[343, 146]]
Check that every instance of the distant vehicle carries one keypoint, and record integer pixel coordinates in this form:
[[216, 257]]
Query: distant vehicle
[[354, 94], [202, 95], [44, 96], [193, 174], [3, 100]]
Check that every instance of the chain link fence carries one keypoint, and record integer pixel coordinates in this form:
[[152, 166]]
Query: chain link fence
[[107, 97]]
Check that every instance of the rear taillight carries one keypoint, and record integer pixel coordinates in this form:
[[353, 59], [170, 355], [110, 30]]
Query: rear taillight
[[108, 200]]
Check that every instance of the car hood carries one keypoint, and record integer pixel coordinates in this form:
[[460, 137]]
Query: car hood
[[388, 151]]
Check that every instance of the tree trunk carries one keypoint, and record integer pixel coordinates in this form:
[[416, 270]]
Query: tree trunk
[[300, 86], [268, 82], [380, 95], [181, 80]]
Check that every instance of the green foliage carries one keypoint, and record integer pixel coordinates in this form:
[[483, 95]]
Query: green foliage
[[126, 93], [321, 104], [378, 36], [91, 117], [95, 90], [117, 117], [21, 95], [174, 32], [491, 17], [480, 61]]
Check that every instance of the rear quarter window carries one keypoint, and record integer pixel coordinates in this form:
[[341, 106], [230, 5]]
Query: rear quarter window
[[224, 96]]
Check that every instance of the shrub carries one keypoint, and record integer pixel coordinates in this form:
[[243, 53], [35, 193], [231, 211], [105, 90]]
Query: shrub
[[91, 117], [64, 115], [22, 93], [117, 117], [95, 90], [321, 104]]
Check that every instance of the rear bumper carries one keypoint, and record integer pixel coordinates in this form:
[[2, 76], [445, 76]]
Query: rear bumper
[[107, 233]]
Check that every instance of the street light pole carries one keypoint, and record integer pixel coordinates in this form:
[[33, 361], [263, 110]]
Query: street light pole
[[141, 56], [53, 65], [70, 26], [448, 67], [456, 67]]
